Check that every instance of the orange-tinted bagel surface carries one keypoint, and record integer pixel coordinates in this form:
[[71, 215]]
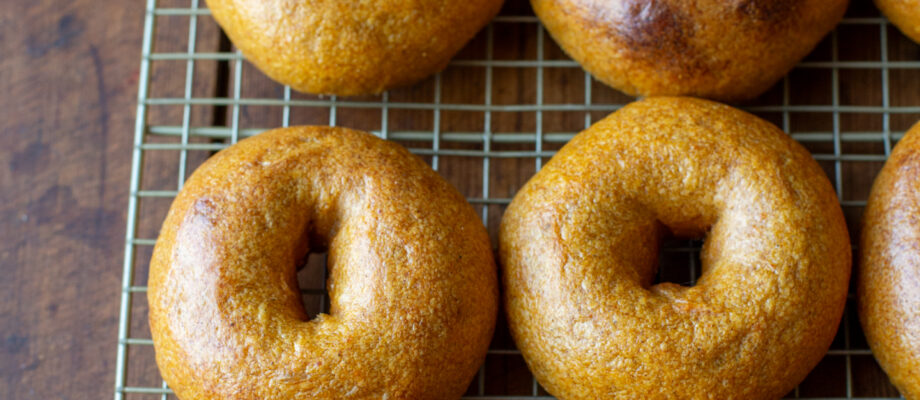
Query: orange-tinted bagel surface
[[579, 246], [719, 49], [889, 269], [351, 47], [905, 14], [412, 285]]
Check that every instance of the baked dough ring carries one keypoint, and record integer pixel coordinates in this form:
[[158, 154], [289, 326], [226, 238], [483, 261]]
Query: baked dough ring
[[351, 47], [905, 14], [720, 49], [579, 246], [889, 269], [412, 285]]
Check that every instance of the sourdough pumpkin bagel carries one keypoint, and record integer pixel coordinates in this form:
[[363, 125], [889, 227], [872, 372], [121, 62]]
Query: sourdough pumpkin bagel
[[412, 285], [351, 47], [720, 49], [889, 269], [905, 14], [579, 246]]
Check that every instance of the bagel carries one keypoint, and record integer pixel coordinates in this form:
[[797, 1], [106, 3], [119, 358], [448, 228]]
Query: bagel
[[904, 14], [889, 269], [579, 244], [351, 47], [723, 50], [412, 287]]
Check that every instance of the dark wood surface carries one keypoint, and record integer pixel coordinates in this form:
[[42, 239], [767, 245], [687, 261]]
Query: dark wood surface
[[68, 83], [68, 86]]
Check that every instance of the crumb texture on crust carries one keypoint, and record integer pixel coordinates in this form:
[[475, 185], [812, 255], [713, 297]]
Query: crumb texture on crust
[[413, 287], [351, 47], [889, 268], [579, 246], [905, 14], [723, 50]]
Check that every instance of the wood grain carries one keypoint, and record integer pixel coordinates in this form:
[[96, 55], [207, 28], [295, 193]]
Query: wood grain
[[68, 78]]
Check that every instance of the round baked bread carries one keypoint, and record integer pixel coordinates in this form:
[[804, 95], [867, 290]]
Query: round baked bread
[[351, 47], [905, 14], [889, 269], [579, 247], [412, 287], [720, 49]]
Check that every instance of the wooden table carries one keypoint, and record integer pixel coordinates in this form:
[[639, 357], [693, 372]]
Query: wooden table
[[68, 78]]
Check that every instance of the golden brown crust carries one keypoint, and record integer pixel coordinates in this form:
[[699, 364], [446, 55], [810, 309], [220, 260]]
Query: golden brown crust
[[579, 243], [905, 14], [718, 49], [889, 269], [412, 284], [348, 47]]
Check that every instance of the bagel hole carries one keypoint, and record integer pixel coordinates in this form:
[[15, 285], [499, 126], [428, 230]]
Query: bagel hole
[[311, 280], [679, 261]]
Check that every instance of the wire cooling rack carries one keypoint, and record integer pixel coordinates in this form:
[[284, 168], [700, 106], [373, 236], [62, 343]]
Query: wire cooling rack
[[505, 104]]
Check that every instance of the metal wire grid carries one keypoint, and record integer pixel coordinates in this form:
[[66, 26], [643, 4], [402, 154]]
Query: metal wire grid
[[486, 137]]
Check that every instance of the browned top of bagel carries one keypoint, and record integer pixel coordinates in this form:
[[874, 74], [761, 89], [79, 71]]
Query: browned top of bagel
[[579, 246], [889, 270], [719, 49], [905, 14], [351, 47], [412, 281]]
